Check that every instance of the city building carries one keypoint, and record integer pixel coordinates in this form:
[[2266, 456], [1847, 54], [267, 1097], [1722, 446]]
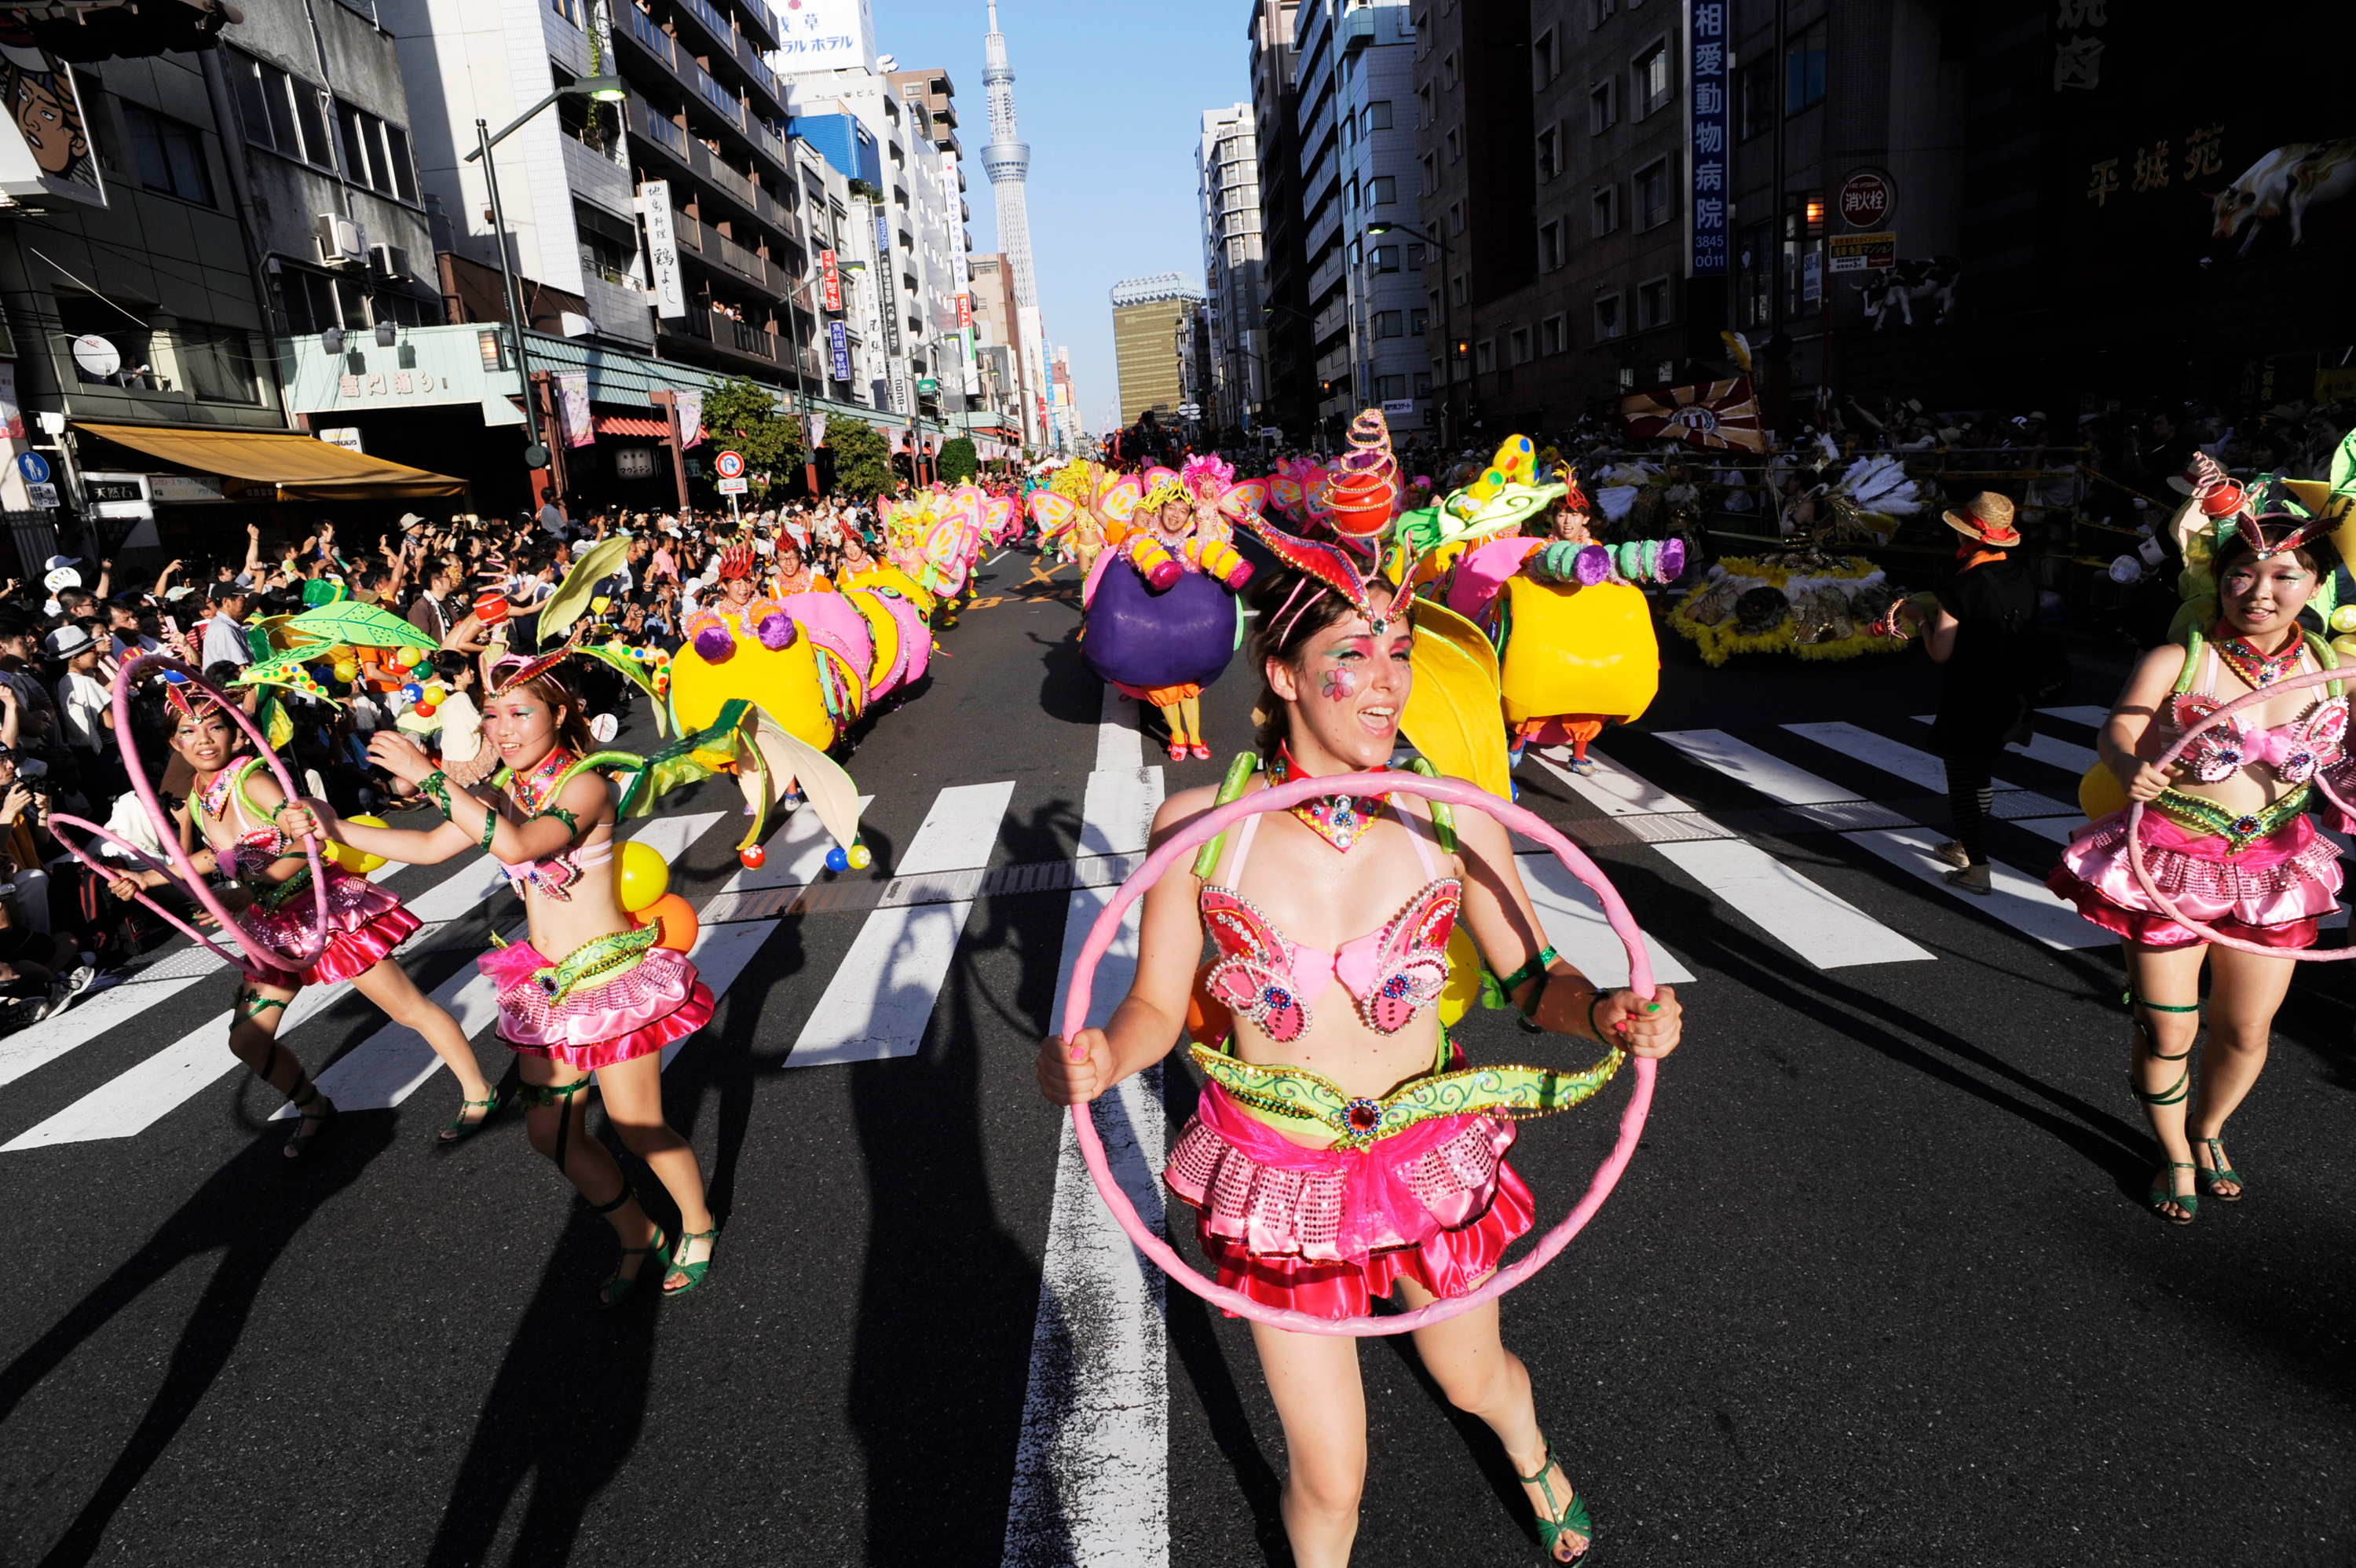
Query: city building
[[998, 355], [1153, 333], [1227, 182], [1006, 159], [1289, 382], [1357, 162]]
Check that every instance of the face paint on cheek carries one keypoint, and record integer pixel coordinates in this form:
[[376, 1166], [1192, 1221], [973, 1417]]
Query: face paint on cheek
[[1341, 685]]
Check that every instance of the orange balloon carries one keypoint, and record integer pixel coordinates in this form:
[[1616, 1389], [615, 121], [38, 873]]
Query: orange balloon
[[679, 922]]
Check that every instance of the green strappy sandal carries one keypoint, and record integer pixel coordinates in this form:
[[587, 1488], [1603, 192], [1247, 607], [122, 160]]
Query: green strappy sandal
[[618, 1286], [304, 1095], [460, 1129], [2220, 1172], [694, 1272], [2161, 1197], [1569, 1516]]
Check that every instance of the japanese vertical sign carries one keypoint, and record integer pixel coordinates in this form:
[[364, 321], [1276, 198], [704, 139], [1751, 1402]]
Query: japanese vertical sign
[[662, 248], [572, 395], [887, 295], [838, 349], [1706, 73], [831, 280]]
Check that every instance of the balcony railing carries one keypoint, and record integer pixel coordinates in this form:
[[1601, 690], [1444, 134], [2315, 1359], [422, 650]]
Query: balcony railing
[[711, 17], [658, 43], [700, 81], [660, 131], [753, 340], [745, 263]]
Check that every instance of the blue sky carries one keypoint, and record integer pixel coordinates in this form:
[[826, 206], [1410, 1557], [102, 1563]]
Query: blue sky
[[1111, 100]]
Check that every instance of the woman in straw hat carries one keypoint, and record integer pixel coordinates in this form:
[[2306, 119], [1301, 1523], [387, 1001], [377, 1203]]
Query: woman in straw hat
[[1987, 606]]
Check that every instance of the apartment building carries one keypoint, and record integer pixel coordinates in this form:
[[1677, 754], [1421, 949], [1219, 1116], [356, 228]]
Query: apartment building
[[1288, 404], [1226, 184], [946, 374]]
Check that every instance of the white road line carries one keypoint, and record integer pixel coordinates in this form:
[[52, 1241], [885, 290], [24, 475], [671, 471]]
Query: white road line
[[1821, 927], [2021, 901], [721, 953], [674, 836], [1119, 742], [1091, 1469], [2043, 748], [1576, 928], [37, 1047], [1916, 767], [2092, 718], [882, 996], [796, 856], [993, 560], [1746, 765]]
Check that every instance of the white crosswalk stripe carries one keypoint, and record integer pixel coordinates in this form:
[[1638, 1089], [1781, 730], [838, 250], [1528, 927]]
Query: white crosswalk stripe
[[2049, 749], [881, 995]]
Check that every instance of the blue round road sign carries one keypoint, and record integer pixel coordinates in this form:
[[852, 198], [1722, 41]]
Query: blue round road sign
[[34, 467]]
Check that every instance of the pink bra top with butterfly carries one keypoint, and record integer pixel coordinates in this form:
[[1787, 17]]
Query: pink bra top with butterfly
[[2293, 752], [1392, 974], [556, 874]]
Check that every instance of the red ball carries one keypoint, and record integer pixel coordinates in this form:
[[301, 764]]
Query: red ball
[[491, 607], [755, 858]]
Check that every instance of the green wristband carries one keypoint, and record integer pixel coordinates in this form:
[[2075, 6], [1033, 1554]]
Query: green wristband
[[490, 825]]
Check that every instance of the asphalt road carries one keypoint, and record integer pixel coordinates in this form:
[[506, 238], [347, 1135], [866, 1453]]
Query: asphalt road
[[1876, 1288]]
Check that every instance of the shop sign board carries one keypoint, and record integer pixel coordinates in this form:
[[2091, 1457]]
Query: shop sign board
[[1862, 252]]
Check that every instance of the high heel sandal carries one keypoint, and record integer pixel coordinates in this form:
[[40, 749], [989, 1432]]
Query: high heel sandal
[[618, 1285], [1177, 751], [310, 1124], [695, 1271], [460, 1129], [2220, 1172], [2159, 1198], [1569, 1516]]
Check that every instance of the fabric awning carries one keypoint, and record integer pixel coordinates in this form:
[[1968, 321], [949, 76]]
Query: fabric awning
[[648, 425], [303, 467]]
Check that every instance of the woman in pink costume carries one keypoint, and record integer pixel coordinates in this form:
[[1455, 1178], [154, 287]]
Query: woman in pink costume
[[237, 809], [590, 991], [1332, 1160], [2224, 834]]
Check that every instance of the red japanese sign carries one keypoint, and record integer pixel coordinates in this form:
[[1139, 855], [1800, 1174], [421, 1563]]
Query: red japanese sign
[[831, 284]]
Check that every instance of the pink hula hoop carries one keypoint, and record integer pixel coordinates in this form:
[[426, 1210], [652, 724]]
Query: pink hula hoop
[[264, 964], [1455, 792], [2136, 811]]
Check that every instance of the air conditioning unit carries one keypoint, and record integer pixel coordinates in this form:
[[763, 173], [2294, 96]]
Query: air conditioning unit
[[389, 263], [342, 242]]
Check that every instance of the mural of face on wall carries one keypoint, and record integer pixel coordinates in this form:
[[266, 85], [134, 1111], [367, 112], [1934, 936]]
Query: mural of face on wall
[[40, 98]]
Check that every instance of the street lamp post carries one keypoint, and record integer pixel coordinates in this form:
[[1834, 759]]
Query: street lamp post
[[1447, 329], [599, 88]]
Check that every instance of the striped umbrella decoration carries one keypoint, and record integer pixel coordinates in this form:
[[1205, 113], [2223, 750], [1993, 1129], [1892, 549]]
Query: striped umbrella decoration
[[1707, 413]]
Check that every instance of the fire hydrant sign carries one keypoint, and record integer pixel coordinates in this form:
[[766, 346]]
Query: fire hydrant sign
[[1867, 201], [729, 465]]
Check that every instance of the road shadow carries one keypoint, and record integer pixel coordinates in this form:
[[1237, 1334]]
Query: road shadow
[[247, 1211]]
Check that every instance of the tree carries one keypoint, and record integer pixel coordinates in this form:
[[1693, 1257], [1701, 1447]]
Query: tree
[[958, 461], [742, 415], [862, 465]]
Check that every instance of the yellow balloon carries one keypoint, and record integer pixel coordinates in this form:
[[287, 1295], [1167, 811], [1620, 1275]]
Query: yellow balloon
[[2344, 618], [2100, 793], [1464, 987], [2344, 646], [358, 862], [644, 877], [347, 670]]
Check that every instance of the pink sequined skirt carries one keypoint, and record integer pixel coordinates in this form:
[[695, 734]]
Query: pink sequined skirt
[[1326, 1231], [657, 1000], [2271, 894], [365, 923]]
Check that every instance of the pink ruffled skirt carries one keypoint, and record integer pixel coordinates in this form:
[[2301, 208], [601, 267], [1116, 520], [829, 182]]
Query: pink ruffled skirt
[[365, 923], [2271, 893], [657, 1000], [1326, 1231]]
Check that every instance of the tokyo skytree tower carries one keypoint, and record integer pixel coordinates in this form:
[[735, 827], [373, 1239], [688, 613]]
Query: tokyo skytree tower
[[1007, 159]]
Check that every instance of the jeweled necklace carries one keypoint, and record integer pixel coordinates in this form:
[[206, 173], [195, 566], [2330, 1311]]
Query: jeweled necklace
[[214, 796], [1342, 820], [2259, 669], [536, 789]]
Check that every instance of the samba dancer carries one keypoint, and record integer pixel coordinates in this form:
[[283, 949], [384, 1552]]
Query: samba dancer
[[1335, 663]]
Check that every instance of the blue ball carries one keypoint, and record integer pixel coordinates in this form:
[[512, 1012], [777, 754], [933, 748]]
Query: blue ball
[[1516, 797], [836, 859]]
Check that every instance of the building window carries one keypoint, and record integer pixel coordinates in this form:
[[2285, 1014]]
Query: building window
[[1423, 97], [568, 9], [1518, 344], [87, 315], [1387, 258], [1549, 153], [1551, 336], [1456, 218], [170, 156], [1648, 84], [376, 155], [1550, 248], [1804, 70], [1754, 278], [216, 362], [1627, 379], [1415, 258], [1419, 322], [281, 112], [1485, 356], [1430, 173], [311, 302], [1456, 288], [1376, 116], [1653, 195], [1653, 304], [1603, 208], [1600, 109], [1455, 145], [1357, 253], [1388, 388], [1423, 383], [1390, 324], [1350, 194], [1607, 324], [1601, 13], [1448, 68], [1381, 190], [1547, 57], [1754, 100]]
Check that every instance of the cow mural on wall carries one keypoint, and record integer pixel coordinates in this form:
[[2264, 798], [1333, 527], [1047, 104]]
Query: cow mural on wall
[[2280, 190], [1931, 278]]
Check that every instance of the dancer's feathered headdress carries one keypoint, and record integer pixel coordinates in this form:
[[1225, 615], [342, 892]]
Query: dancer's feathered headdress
[[737, 561], [1333, 569]]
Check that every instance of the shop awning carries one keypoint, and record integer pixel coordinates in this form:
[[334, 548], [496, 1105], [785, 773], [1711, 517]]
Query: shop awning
[[652, 426], [303, 467]]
